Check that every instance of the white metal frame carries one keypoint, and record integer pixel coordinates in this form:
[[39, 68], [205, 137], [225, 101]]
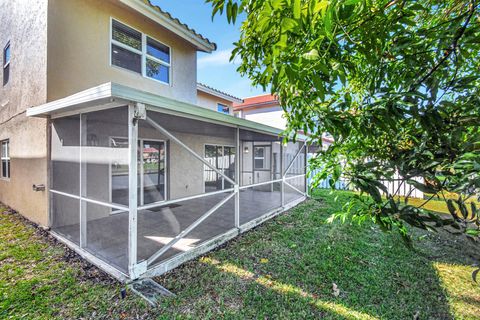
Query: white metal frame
[[149, 266], [143, 53], [5, 158]]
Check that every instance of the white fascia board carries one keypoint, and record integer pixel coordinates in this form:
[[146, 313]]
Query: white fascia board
[[168, 24], [105, 94], [218, 94], [98, 93]]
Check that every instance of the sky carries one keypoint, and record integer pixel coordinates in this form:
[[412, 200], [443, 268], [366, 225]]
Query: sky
[[214, 69]]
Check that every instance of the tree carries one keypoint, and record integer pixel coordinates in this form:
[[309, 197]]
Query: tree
[[396, 83]]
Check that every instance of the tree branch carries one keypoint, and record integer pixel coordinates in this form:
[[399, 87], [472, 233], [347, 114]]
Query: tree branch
[[452, 48]]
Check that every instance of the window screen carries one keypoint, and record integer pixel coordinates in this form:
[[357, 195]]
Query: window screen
[[126, 47]]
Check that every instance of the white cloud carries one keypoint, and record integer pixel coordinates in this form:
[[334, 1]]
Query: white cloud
[[218, 58]]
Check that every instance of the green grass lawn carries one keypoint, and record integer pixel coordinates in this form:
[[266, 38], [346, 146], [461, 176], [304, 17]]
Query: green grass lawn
[[286, 268]]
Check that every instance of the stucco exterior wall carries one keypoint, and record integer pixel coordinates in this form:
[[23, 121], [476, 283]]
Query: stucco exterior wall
[[24, 24], [79, 51], [209, 101], [272, 116]]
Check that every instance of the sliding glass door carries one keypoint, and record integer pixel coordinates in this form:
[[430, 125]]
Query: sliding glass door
[[151, 172]]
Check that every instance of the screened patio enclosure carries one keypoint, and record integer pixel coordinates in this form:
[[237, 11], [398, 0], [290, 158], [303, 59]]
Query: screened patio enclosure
[[140, 185]]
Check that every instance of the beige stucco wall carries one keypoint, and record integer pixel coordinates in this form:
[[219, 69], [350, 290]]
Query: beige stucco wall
[[209, 101], [24, 24], [79, 51]]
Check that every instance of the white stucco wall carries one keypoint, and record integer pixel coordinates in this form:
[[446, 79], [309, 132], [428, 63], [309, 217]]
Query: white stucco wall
[[272, 116]]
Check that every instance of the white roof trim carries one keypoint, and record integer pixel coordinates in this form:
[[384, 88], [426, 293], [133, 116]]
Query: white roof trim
[[167, 23], [116, 94], [219, 94]]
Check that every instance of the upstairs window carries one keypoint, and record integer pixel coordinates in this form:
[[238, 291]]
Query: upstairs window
[[158, 61], [5, 158], [6, 64], [139, 53], [223, 108], [126, 47]]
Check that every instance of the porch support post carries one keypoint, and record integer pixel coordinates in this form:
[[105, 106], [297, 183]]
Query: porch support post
[[237, 178], [83, 182], [132, 190], [307, 174], [282, 184]]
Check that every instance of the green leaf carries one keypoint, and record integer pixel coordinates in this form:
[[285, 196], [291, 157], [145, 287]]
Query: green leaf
[[475, 274], [297, 9], [421, 186], [351, 2], [473, 232], [311, 55], [288, 24], [321, 7], [451, 208]]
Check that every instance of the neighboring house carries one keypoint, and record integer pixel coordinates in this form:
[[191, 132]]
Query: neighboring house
[[266, 109], [216, 100], [107, 138]]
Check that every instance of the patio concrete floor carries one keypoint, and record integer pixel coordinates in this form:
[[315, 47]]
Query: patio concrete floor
[[107, 238]]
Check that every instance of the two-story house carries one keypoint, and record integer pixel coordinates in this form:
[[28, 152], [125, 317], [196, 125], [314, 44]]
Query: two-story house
[[107, 139]]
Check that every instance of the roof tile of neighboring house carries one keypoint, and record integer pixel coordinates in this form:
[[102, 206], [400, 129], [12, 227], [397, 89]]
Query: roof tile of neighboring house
[[265, 100], [183, 25]]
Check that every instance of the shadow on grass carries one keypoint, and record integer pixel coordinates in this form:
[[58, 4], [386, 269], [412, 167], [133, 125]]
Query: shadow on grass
[[288, 267]]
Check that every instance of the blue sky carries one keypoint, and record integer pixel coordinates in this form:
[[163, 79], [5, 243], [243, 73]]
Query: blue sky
[[213, 69]]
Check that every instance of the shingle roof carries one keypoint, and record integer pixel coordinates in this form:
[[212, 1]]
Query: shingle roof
[[179, 23]]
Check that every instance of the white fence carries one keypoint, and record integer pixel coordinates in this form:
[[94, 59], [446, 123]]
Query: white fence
[[393, 187]]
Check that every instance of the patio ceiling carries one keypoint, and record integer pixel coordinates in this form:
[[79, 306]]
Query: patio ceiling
[[110, 95]]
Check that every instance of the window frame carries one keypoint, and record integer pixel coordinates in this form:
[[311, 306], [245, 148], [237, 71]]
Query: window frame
[[223, 105], [255, 158], [5, 158], [143, 53], [6, 64]]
